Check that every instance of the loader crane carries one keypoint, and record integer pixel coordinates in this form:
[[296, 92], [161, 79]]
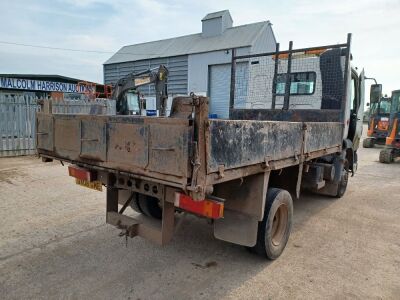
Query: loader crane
[[158, 76]]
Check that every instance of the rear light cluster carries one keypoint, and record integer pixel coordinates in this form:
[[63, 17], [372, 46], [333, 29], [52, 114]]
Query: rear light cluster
[[81, 173], [208, 208]]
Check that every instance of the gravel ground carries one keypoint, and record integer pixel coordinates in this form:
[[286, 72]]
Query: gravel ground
[[54, 244]]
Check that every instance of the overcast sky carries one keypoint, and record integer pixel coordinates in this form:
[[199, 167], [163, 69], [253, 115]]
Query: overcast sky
[[108, 25]]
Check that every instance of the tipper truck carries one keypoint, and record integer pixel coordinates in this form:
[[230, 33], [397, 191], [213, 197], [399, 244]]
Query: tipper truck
[[240, 173]]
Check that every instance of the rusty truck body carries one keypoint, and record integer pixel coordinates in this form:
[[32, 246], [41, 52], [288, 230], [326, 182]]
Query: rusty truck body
[[239, 172]]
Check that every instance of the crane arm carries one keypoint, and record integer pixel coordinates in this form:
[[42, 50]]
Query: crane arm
[[132, 81]]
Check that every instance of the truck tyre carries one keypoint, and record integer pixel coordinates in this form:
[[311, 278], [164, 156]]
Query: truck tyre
[[368, 143], [342, 186], [135, 203], [274, 229], [386, 156], [150, 206]]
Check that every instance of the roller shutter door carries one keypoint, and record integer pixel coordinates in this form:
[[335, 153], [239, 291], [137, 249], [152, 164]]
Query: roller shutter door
[[219, 88]]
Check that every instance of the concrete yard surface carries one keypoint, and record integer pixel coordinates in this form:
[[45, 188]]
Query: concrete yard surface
[[54, 243]]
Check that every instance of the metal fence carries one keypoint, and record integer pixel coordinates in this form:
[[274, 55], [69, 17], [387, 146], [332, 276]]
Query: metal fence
[[18, 125]]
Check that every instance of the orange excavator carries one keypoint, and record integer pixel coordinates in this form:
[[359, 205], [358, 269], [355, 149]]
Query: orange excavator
[[392, 144], [378, 123]]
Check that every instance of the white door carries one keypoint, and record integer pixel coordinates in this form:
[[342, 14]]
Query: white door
[[219, 87]]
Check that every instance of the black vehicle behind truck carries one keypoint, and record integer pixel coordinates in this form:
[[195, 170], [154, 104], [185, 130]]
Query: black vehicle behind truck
[[239, 172]]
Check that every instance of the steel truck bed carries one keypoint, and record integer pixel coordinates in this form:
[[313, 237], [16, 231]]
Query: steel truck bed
[[162, 148]]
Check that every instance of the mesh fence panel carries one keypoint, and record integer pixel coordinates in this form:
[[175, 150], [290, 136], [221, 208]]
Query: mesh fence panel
[[316, 80]]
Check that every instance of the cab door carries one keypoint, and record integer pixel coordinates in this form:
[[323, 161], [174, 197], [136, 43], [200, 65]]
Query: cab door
[[354, 101], [360, 109]]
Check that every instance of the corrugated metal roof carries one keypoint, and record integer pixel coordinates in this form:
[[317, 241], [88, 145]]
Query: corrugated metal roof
[[216, 14], [234, 37]]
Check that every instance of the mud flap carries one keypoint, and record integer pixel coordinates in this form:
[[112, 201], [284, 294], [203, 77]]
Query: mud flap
[[244, 208], [236, 228], [330, 189], [158, 231]]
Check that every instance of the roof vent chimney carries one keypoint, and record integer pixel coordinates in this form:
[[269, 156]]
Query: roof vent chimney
[[215, 23]]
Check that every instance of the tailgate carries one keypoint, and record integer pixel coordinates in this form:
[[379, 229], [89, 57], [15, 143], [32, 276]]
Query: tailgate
[[155, 147]]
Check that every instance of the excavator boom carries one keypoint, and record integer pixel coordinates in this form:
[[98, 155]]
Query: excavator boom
[[132, 81]]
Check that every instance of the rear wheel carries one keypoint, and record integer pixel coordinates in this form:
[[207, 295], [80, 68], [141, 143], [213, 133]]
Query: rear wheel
[[386, 156], [135, 204], [150, 206], [274, 229], [368, 143], [147, 205]]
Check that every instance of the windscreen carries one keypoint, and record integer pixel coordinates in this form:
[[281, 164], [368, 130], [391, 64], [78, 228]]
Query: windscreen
[[381, 107], [385, 106]]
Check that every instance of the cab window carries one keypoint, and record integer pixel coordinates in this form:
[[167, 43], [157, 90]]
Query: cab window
[[395, 102], [301, 83]]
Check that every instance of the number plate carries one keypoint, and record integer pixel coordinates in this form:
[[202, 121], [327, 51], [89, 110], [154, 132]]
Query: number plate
[[94, 185]]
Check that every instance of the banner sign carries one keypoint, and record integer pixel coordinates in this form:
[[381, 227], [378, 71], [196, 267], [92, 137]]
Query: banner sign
[[40, 85]]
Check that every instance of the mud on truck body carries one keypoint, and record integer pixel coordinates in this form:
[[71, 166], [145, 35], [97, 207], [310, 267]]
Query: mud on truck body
[[239, 172]]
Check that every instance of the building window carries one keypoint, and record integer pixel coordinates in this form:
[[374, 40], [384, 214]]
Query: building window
[[301, 83]]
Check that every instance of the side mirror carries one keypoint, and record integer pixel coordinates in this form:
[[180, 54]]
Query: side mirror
[[367, 103], [375, 93]]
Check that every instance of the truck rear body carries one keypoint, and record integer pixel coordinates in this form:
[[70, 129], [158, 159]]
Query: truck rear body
[[218, 168], [161, 148], [153, 147]]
